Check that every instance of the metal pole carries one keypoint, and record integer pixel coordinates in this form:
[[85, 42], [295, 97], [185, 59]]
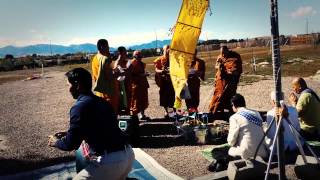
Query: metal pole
[[277, 80]]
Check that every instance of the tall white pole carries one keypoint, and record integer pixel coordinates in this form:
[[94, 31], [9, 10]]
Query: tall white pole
[[277, 80]]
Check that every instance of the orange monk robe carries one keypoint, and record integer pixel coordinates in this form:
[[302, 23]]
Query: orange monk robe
[[226, 81], [196, 72], [139, 87], [163, 80], [126, 65], [112, 98]]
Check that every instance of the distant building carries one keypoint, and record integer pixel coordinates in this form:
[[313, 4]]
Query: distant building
[[301, 39]]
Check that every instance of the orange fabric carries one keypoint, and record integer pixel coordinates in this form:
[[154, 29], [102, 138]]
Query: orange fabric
[[163, 80], [198, 66], [139, 87], [161, 62], [226, 81], [112, 98]]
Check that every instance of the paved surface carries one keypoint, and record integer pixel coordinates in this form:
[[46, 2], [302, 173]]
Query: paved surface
[[144, 168]]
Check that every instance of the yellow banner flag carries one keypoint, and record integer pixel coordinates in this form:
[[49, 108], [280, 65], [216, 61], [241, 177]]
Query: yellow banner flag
[[184, 42]]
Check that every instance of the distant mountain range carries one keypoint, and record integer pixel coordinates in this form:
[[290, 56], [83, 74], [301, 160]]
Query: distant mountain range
[[47, 49], [152, 44]]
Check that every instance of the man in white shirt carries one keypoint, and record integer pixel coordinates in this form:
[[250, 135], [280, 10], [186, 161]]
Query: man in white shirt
[[289, 139], [245, 131], [245, 134]]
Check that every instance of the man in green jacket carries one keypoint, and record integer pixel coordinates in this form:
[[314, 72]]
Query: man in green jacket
[[307, 104]]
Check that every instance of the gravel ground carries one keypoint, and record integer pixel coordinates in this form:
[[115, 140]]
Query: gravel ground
[[32, 110]]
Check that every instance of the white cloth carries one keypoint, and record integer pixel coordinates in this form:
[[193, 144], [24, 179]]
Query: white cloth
[[116, 165], [289, 140], [245, 136]]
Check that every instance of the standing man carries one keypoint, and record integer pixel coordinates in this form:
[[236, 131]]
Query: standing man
[[104, 76], [163, 80], [196, 74], [307, 103], [123, 65], [228, 70], [139, 86], [93, 121]]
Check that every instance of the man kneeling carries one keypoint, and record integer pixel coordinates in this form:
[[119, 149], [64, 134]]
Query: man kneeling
[[245, 133], [93, 121]]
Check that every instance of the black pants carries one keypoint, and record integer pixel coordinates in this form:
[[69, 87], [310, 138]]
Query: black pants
[[220, 156]]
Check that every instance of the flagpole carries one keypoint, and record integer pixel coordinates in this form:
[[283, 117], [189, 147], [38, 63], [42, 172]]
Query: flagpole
[[277, 81]]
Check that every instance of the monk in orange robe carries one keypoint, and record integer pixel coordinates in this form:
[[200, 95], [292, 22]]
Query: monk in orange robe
[[103, 50], [125, 86], [196, 74], [163, 80], [139, 86], [229, 69]]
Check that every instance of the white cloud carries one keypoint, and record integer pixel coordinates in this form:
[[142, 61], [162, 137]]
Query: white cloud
[[33, 31], [303, 11], [134, 38]]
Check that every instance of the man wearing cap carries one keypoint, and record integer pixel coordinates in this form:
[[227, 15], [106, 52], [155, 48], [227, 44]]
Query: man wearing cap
[[139, 86], [228, 71]]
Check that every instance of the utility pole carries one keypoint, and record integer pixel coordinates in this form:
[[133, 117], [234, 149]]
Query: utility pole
[[156, 40], [50, 48], [307, 26]]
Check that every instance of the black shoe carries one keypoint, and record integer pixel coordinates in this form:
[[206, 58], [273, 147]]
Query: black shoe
[[220, 167], [144, 117], [212, 166]]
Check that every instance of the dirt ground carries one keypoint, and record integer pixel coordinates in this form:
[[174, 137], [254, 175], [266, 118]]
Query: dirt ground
[[32, 110]]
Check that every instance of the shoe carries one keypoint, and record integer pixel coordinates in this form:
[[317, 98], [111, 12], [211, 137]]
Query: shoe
[[212, 166], [144, 117], [220, 167]]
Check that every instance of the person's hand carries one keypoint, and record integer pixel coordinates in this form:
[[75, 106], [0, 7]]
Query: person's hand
[[52, 140], [293, 99], [282, 111]]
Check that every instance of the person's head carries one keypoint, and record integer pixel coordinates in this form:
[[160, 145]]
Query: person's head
[[237, 101], [80, 82], [273, 97], [103, 47], [137, 55], [224, 50], [122, 51], [166, 50], [298, 85]]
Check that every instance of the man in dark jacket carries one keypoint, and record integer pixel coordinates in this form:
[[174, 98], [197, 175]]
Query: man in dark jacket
[[94, 128]]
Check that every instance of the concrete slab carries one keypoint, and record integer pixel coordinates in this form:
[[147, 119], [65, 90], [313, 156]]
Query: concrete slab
[[153, 167], [222, 175], [246, 169], [144, 168], [311, 170]]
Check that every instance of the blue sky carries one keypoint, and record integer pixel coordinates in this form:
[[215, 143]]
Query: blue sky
[[128, 22]]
